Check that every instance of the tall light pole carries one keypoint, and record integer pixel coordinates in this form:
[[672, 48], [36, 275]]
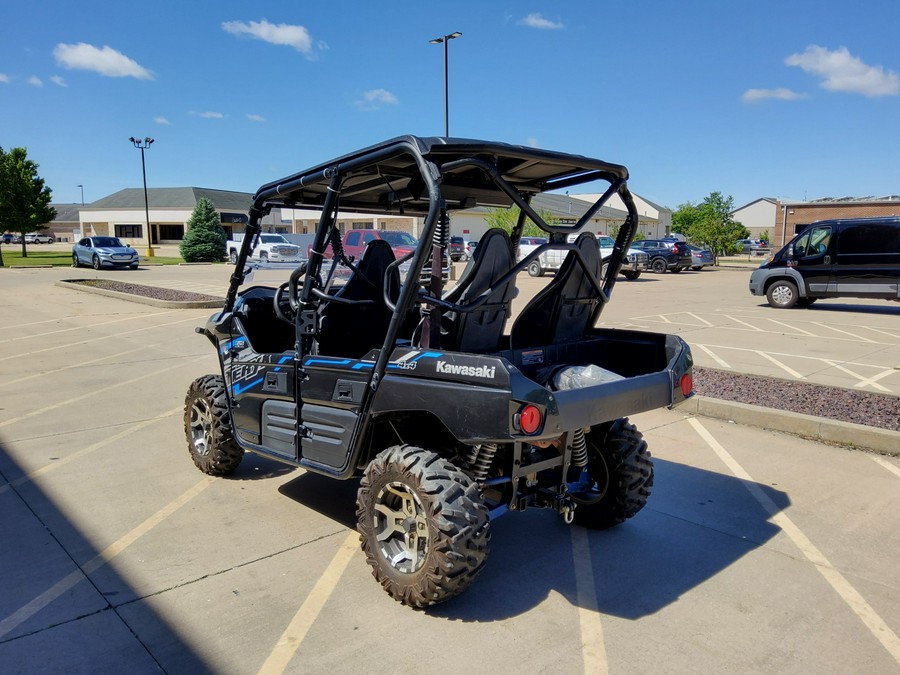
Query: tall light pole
[[143, 144], [445, 39], [82, 193]]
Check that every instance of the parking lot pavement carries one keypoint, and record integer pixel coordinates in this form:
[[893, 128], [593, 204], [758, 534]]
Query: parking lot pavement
[[757, 551]]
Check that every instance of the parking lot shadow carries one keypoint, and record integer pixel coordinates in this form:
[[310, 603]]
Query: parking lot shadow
[[883, 309], [696, 524], [335, 499], [57, 617]]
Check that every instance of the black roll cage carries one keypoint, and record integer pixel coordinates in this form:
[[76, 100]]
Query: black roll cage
[[510, 175]]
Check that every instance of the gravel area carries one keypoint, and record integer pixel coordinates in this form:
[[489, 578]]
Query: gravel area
[[846, 405], [147, 291]]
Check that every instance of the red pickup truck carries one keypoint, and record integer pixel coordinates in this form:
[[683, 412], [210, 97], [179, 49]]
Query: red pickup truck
[[355, 241]]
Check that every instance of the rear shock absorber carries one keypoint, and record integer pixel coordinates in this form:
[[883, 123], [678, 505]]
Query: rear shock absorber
[[579, 449], [479, 460]]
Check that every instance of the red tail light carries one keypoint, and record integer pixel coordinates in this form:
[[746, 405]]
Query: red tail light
[[687, 384], [529, 419]]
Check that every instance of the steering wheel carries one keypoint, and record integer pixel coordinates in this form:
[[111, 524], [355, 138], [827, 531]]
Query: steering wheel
[[286, 308]]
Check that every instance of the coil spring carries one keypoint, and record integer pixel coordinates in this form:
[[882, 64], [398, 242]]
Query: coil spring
[[579, 449], [480, 459]]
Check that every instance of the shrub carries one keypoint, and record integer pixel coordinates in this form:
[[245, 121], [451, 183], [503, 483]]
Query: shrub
[[205, 239]]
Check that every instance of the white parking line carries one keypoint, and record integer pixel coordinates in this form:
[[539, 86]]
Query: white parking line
[[793, 327], [67, 345], [65, 584], [79, 364], [863, 610], [713, 356], [839, 330], [79, 328], [872, 380], [893, 468], [778, 363], [744, 323], [864, 381], [293, 636], [593, 646], [700, 319], [74, 399]]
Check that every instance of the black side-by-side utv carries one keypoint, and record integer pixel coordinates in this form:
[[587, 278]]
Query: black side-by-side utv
[[451, 413]]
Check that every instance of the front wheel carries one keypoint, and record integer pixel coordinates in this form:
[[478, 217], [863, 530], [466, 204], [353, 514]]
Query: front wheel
[[95, 262], [621, 475], [631, 275], [422, 524], [658, 265], [75, 262], [535, 269], [783, 294], [207, 425]]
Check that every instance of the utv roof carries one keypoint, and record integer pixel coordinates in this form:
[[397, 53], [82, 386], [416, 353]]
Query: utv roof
[[387, 177]]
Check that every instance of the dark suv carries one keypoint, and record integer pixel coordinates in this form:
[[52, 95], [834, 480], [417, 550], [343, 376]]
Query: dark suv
[[665, 254], [458, 249]]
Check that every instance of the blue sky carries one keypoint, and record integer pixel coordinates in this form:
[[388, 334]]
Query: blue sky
[[762, 98]]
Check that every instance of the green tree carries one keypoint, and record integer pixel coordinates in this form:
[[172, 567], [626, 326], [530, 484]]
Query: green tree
[[709, 224], [506, 219], [24, 199], [205, 239]]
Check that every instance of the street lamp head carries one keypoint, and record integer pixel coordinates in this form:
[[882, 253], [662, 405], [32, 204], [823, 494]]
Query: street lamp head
[[436, 41], [148, 140], [453, 35], [131, 138]]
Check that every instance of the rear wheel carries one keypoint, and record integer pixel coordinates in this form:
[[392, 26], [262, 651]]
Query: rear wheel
[[676, 270], [422, 524], [783, 294], [621, 475], [535, 269], [207, 425], [233, 256], [658, 265]]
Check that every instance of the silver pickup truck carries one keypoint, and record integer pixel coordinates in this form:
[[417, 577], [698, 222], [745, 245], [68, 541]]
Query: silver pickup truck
[[636, 261]]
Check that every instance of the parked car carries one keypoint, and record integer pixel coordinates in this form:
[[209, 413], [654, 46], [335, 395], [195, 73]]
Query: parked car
[[700, 257], [99, 252], [458, 249], [752, 246], [847, 258], [665, 254], [470, 248], [39, 238], [7, 238]]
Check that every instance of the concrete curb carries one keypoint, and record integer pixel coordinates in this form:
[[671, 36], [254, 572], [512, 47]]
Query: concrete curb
[[807, 426], [131, 297]]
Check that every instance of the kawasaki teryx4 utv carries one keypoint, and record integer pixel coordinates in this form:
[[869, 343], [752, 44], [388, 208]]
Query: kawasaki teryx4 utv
[[450, 412]]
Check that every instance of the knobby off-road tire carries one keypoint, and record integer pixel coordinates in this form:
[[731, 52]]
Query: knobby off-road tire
[[622, 471], [207, 425], [423, 525]]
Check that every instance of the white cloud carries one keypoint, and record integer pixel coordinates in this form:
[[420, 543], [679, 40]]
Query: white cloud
[[374, 99], [35, 81], [782, 94], [209, 114], [284, 34], [533, 142], [537, 21], [841, 71], [255, 118], [162, 120], [57, 80], [106, 61], [4, 77]]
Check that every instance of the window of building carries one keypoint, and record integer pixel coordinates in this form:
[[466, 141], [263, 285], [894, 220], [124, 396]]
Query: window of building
[[129, 231], [171, 232]]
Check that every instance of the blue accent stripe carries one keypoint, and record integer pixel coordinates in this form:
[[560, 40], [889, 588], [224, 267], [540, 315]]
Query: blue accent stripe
[[327, 362], [237, 389]]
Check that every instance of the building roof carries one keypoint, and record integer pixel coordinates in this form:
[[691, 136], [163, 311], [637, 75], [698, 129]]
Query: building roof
[[173, 198], [66, 213], [761, 199]]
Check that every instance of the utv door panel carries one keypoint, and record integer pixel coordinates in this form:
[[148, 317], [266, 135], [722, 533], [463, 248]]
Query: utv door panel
[[279, 428], [327, 435]]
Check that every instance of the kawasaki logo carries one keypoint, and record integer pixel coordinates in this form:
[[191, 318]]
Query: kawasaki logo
[[468, 371]]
